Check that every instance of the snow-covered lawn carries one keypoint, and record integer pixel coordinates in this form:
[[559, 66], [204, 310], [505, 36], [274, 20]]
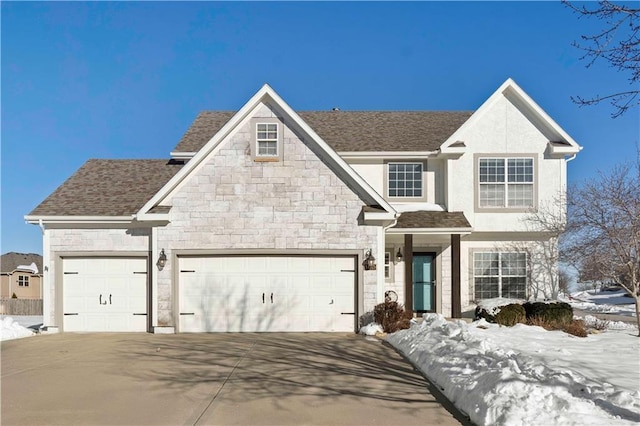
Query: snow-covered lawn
[[17, 327], [609, 302], [525, 375]]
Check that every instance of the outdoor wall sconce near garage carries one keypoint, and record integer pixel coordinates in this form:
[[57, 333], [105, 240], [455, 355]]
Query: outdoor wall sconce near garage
[[399, 256], [369, 262], [162, 260]]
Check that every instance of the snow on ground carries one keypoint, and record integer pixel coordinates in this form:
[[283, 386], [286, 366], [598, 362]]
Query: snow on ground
[[16, 327], [526, 375], [608, 302]]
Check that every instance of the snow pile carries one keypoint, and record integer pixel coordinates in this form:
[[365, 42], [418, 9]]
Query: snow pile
[[9, 330], [371, 329], [593, 322], [526, 375]]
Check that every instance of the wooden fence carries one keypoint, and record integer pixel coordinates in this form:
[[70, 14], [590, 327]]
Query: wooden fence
[[21, 306]]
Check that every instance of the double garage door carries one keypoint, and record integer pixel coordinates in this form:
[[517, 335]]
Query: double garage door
[[266, 293], [104, 294]]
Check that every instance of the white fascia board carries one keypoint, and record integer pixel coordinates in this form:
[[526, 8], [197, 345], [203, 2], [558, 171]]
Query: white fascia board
[[508, 85], [153, 217], [556, 149], [430, 231], [384, 155], [379, 216], [331, 152], [35, 220], [178, 155], [206, 149], [266, 93]]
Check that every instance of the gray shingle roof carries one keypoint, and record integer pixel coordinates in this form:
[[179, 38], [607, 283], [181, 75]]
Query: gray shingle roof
[[430, 219], [108, 188], [352, 130], [9, 262]]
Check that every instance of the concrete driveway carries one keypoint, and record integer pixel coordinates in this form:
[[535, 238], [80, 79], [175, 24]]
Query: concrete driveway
[[246, 379]]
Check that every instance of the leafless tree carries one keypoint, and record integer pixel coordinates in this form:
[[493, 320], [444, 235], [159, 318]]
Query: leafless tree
[[618, 44], [547, 224], [604, 228]]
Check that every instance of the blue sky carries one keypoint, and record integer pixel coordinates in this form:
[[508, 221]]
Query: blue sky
[[125, 80]]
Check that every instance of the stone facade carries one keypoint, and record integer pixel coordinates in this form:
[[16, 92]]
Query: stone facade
[[232, 202]]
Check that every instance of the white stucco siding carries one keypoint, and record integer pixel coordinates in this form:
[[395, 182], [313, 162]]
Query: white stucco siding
[[375, 173], [232, 202], [504, 131]]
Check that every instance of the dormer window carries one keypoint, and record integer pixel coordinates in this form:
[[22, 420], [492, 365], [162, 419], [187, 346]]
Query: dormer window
[[267, 139]]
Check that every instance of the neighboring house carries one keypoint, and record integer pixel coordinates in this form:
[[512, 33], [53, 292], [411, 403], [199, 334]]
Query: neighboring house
[[263, 219], [21, 274]]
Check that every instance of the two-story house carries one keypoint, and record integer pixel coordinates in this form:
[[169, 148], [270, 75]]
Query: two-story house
[[269, 219]]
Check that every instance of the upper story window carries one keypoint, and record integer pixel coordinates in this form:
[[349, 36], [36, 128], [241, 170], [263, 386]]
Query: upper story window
[[267, 139], [506, 183], [405, 180], [23, 281]]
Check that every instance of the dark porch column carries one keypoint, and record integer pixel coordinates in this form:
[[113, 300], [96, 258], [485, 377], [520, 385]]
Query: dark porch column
[[456, 305], [408, 272]]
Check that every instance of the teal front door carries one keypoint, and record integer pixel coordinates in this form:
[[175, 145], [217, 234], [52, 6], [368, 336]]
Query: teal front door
[[424, 283]]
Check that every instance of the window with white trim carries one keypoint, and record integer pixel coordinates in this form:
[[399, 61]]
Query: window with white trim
[[23, 281], [405, 180], [500, 274], [387, 265], [506, 183], [267, 139]]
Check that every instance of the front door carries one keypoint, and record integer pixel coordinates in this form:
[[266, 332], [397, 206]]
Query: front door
[[424, 284]]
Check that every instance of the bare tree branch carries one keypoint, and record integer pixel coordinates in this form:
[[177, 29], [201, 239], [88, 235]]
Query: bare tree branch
[[618, 44]]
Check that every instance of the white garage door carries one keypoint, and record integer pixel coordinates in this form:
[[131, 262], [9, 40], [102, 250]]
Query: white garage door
[[105, 294], [267, 293]]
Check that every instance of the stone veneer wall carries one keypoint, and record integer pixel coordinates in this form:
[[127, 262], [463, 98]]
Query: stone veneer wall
[[233, 202]]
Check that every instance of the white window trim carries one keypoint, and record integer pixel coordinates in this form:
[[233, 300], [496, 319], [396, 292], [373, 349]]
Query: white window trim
[[422, 196], [23, 281], [500, 275], [389, 251], [506, 207], [272, 140]]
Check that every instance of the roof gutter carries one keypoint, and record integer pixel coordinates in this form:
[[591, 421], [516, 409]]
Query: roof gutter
[[375, 155]]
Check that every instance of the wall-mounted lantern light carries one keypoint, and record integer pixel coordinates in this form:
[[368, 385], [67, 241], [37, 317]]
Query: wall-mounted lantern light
[[399, 256], [369, 262], [162, 260]]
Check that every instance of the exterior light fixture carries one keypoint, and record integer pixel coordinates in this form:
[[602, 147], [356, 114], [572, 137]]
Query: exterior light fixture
[[399, 256], [162, 260], [369, 262]]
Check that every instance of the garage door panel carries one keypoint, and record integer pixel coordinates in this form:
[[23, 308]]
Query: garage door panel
[[103, 294], [265, 293]]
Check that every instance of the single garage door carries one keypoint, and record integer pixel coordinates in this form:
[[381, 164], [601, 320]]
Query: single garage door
[[267, 293], [105, 294]]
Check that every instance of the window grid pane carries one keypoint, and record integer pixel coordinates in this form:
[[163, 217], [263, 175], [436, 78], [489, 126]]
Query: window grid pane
[[267, 139], [405, 180], [520, 195], [513, 189], [500, 275], [492, 195], [387, 264]]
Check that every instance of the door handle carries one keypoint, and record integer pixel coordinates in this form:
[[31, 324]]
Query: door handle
[[263, 298], [271, 297], [110, 299], [331, 303], [100, 299]]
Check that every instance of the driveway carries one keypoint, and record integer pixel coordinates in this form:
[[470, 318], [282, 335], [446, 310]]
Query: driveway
[[205, 379]]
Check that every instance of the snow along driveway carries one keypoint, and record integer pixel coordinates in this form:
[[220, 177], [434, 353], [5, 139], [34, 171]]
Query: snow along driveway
[[525, 375]]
